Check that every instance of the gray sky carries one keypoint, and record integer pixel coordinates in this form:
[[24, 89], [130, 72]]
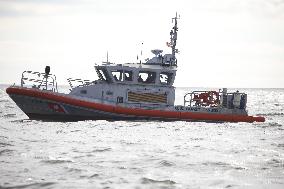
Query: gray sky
[[222, 43]]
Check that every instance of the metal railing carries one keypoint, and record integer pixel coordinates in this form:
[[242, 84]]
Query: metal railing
[[79, 82], [39, 80], [197, 100], [215, 99]]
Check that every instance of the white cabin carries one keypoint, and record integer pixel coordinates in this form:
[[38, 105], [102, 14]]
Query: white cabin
[[148, 83]]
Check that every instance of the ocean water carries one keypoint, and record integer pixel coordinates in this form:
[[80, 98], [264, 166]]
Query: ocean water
[[127, 154]]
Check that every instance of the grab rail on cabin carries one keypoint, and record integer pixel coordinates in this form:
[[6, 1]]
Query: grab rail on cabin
[[39, 80], [79, 82]]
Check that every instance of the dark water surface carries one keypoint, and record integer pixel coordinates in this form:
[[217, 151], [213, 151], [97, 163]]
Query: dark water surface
[[124, 154]]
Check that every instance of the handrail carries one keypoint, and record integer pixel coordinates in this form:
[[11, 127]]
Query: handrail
[[82, 82], [195, 100], [199, 101], [39, 80]]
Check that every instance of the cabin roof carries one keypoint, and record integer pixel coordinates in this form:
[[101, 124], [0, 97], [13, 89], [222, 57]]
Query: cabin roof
[[138, 66]]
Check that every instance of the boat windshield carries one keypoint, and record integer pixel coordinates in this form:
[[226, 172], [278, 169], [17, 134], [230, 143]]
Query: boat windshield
[[103, 74], [146, 77], [117, 75], [166, 78], [128, 75]]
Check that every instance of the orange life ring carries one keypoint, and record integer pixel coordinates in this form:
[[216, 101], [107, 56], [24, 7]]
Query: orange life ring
[[211, 98]]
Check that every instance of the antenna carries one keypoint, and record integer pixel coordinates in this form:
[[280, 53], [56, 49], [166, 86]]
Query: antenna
[[141, 53], [173, 42], [107, 61]]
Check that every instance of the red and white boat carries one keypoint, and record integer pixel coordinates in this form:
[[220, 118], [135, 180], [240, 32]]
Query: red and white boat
[[130, 91]]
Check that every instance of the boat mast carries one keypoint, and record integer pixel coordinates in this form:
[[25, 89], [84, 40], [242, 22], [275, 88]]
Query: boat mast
[[173, 42]]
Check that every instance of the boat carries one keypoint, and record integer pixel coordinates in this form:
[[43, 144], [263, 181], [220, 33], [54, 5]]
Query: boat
[[132, 91]]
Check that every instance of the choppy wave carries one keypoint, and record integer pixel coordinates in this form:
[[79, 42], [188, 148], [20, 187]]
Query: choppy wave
[[9, 115], [102, 150], [166, 163], [271, 114], [145, 180], [275, 124], [21, 121], [4, 144], [271, 125], [276, 162], [56, 161], [5, 151], [223, 165], [32, 185]]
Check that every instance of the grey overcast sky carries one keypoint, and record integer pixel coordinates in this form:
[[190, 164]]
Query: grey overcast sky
[[222, 43]]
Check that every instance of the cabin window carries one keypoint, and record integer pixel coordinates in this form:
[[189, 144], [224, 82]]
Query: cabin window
[[146, 77], [117, 75], [166, 78], [102, 74], [128, 75]]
